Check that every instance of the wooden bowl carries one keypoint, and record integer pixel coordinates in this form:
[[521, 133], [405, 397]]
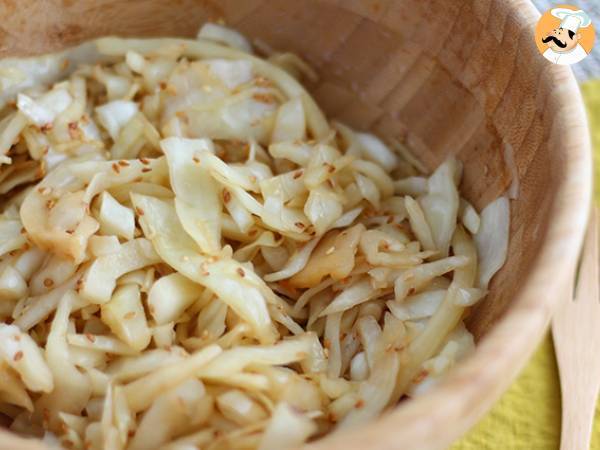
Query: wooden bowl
[[447, 77]]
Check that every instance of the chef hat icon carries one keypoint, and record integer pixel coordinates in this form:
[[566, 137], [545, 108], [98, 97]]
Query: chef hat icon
[[572, 20]]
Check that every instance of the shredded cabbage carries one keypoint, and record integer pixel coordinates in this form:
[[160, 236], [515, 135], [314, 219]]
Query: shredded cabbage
[[193, 256]]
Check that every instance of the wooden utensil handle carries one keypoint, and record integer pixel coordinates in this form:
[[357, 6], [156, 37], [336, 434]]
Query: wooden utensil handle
[[577, 420]]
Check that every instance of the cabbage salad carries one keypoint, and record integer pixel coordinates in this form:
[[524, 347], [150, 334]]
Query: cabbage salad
[[193, 256]]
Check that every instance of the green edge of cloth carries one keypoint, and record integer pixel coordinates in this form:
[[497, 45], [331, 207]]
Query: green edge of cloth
[[527, 417]]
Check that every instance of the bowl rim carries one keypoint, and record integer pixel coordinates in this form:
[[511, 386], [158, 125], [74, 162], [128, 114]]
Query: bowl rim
[[436, 419]]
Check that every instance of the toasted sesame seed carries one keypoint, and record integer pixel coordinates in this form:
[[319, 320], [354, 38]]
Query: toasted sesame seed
[[116, 168], [226, 196], [264, 98], [18, 356], [241, 272], [204, 269], [123, 163]]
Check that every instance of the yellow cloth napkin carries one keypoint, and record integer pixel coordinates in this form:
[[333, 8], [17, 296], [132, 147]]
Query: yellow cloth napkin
[[527, 417]]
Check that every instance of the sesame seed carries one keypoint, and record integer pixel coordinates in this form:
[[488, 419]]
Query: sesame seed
[[146, 170], [144, 161], [226, 196], [123, 163], [241, 272], [264, 98], [90, 337], [116, 168], [298, 174], [204, 269], [18, 356], [330, 250]]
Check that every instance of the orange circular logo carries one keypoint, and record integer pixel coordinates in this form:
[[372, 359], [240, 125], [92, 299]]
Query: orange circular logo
[[565, 35]]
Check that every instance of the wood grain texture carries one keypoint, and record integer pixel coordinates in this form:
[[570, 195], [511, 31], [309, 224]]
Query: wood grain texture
[[447, 77], [576, 337]]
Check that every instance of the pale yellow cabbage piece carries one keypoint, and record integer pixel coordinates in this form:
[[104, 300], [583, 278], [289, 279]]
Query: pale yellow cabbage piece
[[125, 316], [170, 296], [238, 287], [197, 199], [115, 218], [100, 279], [22, 354], [287, 429]]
